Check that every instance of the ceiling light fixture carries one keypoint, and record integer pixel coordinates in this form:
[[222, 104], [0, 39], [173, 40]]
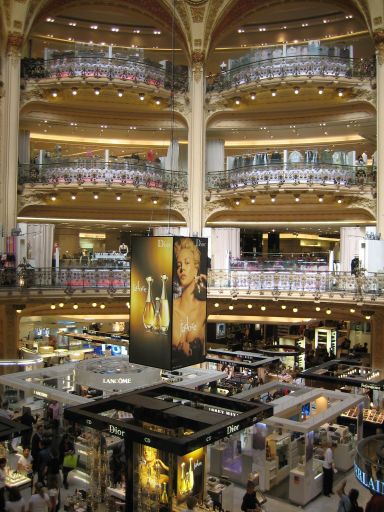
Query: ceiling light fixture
[[273, 198], [73, 196], [249, 306], [230, 307], [141, 96], [263, 308], [352, 310], [118, 196], [54, 93], [237, 202], [94, 27], [94, 304], [155, 200], [328, 311], [53, 306], [61, 304], [157, 101], [318, 308], [128, 304], [339, 200], [237, 100], [53, 197], [273, 92], [216, 304], [320, 90], [253, 199], [75, 306], [74, 91], [253, 95], [95, 195], [297, 198], [102, 306], [340, 92], [97, 91], [120, 93], [283, 306], [321, 199], [139, 199], [115, 29], [295, 310], [296, 89]]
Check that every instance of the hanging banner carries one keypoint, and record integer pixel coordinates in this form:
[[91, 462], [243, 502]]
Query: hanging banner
[[168, 301]]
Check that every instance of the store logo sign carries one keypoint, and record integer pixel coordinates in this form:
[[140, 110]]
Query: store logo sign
[[371, 386], [118, 380], [116, 431], [147, 440], [40, 393], [232, 429], [163, 244], [374, 485]]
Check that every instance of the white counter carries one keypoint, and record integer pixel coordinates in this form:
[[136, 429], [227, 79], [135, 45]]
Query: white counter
[[304, 487]]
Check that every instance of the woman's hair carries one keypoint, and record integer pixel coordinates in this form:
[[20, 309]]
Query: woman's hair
[[187, 243], [353, 495], [191, 502], [40, 489], [14, 494], [3, 460]]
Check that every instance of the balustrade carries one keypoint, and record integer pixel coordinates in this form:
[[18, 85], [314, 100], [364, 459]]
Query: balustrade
[[292, 66], [292, 174], [102, 67], [88, 171]]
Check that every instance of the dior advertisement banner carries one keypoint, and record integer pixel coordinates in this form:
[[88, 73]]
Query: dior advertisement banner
[[168, 301]]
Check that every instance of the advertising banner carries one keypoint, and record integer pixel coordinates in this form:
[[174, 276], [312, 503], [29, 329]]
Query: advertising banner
[[190, 474], [168, 301]]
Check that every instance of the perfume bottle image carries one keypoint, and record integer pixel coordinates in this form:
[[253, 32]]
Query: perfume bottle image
[[149, 308], [164, 495], [164, 306], [190, 479], [157, 317], [183, 481]]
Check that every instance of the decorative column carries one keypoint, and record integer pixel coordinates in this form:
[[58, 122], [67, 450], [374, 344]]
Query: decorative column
[[350, 239], [377, 345], [379, 43], [10, 133], [224, 242], [24, 147], [196, 146], [9, 332]]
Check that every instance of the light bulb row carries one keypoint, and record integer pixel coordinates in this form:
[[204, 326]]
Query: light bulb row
[[340, 92], [296, 197], [96, 195], [97, 92]]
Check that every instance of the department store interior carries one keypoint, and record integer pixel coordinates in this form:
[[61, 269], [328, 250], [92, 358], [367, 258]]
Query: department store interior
[[253, 130]]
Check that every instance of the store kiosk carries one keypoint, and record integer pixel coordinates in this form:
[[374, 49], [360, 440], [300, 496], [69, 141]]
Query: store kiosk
[[166, 429], [8, 430]]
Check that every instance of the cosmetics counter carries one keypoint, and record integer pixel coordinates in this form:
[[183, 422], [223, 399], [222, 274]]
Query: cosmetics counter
[[166, 431], [293, 357], [9, 429]]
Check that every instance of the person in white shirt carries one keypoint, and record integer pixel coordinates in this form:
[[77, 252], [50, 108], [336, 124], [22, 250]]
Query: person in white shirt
[[24, 464], [328, 468], [15, 502], [39, 502]]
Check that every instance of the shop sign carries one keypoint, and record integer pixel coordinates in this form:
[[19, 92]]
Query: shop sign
[[40, 393], [166, 331], [374, 485], [116, 431], [372, 385], [117, 380], [231, 429]]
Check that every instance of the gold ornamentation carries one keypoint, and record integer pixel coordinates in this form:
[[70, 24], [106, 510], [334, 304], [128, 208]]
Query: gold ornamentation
[[378, 38], [14, 43], [197, 14], [197, 64]]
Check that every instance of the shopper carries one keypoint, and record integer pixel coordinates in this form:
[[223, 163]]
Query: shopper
[[66, 447], [54, 414], [36, 446], [348, 502], [375, 504], [328, 469], [28, 420], [191, 503], [250, 503], [24, 464], [53, 492], [15, 502], [39, 501]]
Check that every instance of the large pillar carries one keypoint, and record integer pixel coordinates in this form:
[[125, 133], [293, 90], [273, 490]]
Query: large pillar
[[10, 133], [224, 242], [24, 147], [379, 41], [350, 239], [196, 139], [377, 344], [9, 332], [215, 156]]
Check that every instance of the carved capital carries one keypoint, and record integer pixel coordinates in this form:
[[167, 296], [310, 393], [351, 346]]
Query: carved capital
[[197, 64], [14, 44], [378, 38]]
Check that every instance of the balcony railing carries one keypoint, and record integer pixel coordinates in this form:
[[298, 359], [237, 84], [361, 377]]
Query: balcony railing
[[291, 174], [363, 286], [91, 171], [310, 66], [101, 67]]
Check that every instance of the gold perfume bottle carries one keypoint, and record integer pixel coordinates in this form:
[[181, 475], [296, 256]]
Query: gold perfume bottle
[[149, 309], [164, 495], [164, 306], [191, 480], [157, 318], [183, 482]]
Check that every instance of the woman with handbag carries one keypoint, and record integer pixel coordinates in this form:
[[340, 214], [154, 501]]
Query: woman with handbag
[[68, 458], [250, 503]]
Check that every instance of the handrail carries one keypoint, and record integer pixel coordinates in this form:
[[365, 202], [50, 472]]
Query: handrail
[[129, 70], [83, 171], [292, 173], [292, 66], [268, 280]]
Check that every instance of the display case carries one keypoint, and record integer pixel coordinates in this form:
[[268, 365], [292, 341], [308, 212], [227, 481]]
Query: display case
[[326, 338], [305, 485], [277, 458]]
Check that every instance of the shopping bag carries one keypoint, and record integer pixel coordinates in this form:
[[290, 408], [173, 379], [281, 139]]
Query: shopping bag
[[70, 461]]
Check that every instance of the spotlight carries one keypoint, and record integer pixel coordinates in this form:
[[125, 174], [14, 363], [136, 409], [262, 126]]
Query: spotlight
[[320, 90], [61, 304], [340, 92], [95, 195], [295, 310], [141, 96], [297, 198], [273, 92], [53, 197], [94, 304], [217, 304], [118, 196], [237, 202], [237, 100], [75, 306], [318, 308], [74, 91], [54, 93], [120, 93], [328, 311], [321, 199], [155, 200], [296, 90], [102, 306], [139, 199], [230, 307], [352, 310], [283, 306], [53, 306], [249, 306], [367, 317], [253, 95], [253, 199], [339, 200], [273, 198], [73, 196], [263, 308], [157, 101], [97, 91]]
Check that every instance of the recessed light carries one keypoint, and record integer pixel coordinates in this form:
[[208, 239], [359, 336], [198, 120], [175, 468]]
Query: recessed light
[[217, 304], [273, 92], [75, 306], [97, 91], [352, 310], [263, 308], [320, 90], [94, 27], [53, 306], [74, 91], [54, 93], [139, 199], [283, 306], [102, 306], [53, 197], [249, 306], [141, 96], [328, 311], [295, 310], [73, 196], [95, 195], [61, 304], [318, 308], [120, 93], [155, 200], [253, 95]]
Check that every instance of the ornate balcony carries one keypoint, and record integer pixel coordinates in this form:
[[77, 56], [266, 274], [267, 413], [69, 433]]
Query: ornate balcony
[[308, 66], [230, 284], [92, 171], [292, 174], [127, 70]]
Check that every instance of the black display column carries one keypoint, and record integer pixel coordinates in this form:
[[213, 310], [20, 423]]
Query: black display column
[[128, 475], [273, 243]]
